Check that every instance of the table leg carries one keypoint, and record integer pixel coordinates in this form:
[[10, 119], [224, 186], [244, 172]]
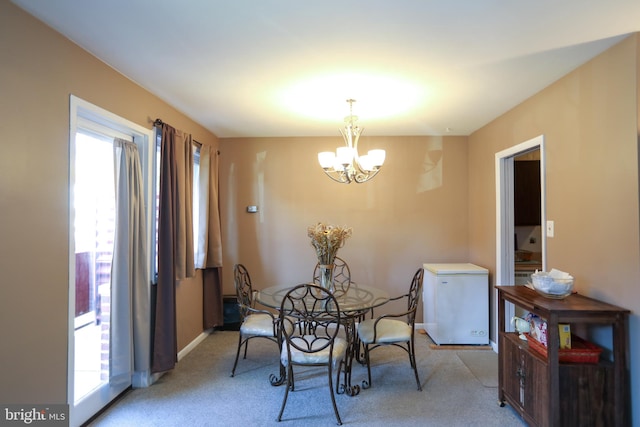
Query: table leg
[[351, 354]]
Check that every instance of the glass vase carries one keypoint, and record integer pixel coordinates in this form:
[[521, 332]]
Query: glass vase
[[326, 276]]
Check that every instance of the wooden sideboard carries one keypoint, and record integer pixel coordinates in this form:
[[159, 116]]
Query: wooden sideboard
[[546, 392]]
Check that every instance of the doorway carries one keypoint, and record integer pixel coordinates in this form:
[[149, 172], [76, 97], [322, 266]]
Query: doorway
[[505, 217], [103, 320], [94, 212]]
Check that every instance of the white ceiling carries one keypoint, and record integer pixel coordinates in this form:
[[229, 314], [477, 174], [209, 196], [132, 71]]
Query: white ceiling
[[286, 67]]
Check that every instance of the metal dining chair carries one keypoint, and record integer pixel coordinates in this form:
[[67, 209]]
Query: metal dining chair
[[317, 346], [341, 275], [255, 323], [396, 329]]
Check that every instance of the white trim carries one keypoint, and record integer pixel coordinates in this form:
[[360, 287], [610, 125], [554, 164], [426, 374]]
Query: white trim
[[79, 112], [193, 344], [504, 216]]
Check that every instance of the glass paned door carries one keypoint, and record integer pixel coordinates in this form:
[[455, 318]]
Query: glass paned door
[[94, 203], [94, 227]]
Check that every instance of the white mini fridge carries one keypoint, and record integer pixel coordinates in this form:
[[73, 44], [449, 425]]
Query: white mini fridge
[[456, 303]]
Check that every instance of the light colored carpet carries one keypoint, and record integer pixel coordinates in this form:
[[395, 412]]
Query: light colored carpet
[[483, 365], [200, 392]]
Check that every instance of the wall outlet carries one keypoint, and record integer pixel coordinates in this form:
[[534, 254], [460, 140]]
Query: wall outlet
[[550, 229]]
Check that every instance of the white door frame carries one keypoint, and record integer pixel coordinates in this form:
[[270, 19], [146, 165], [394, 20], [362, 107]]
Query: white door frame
[[505, 229], [82, 111]]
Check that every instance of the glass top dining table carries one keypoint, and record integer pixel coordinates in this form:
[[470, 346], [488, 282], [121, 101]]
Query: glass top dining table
[[354, 302]]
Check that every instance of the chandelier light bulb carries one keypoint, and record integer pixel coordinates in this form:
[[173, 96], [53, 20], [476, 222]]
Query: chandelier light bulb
[[327, 159], [344, 155], [377, 157], [366, 163]]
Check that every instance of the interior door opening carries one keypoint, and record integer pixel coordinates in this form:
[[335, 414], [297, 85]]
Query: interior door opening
[[506, 235], [527, 218]]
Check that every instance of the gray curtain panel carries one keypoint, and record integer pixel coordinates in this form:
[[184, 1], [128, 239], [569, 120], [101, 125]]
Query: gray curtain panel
[[130, 332]]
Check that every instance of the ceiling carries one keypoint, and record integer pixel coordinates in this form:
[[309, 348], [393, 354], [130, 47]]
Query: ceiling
[[286, 67]]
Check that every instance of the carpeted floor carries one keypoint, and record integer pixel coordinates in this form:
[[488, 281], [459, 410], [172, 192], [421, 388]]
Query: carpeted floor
[[483, 365], [459, 389]]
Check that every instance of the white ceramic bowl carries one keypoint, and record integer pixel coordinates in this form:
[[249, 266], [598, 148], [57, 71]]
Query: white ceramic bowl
[[552, 288]]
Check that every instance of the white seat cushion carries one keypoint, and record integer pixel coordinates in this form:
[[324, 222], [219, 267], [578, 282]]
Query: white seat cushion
[[389, 330], [322, 356], [261, 324], [257, 324]]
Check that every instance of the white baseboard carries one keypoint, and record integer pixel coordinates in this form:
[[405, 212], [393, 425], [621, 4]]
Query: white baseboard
[[193, 344], [146, 378]]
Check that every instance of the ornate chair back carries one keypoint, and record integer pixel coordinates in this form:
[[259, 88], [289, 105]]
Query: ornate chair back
[[244, 289], [340, 276], [413, 296]]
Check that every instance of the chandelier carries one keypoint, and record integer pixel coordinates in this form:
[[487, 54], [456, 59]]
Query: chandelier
[[346, 165]]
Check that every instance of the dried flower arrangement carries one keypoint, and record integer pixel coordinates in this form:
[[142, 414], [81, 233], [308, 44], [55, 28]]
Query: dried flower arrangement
[[327, 239]]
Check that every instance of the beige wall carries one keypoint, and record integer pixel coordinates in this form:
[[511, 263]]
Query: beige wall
[[407, 215], [38, 72], [590, 125], [589, 121]]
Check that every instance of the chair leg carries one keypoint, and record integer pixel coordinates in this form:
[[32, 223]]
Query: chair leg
[[286, 391], [235, 364], [414, 365], [333, 397], [368, 362], [246, 346]]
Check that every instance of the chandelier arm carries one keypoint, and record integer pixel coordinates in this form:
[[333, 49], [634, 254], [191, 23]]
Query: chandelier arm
[[344, 138], [356, 155], [343, 178], [364, 177]]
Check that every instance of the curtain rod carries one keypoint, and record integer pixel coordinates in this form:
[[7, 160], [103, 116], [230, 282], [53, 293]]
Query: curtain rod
[[159, 123]]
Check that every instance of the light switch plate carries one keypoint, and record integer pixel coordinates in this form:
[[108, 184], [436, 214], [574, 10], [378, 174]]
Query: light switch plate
[[252, 209]]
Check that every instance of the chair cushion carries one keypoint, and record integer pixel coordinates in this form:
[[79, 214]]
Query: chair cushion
[[257, 324], [322, 356], [389, 330]]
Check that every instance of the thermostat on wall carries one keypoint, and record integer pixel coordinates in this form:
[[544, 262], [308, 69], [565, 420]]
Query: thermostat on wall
[[252, 209]]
